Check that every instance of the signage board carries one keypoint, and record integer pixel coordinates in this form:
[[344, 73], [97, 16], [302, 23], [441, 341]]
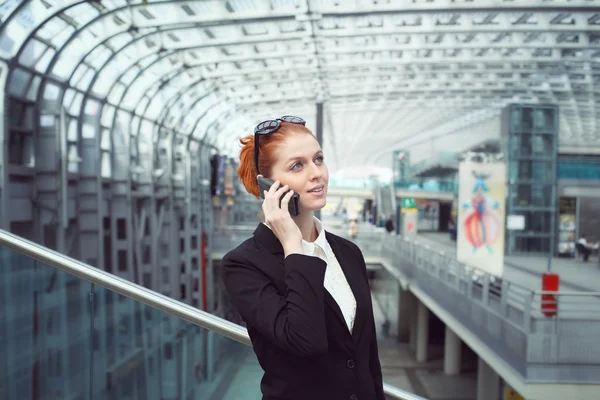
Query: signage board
[[408, 203], [515, 222], [481, 197]]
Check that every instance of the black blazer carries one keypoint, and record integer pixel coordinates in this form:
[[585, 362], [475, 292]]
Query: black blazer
[[297, 329]]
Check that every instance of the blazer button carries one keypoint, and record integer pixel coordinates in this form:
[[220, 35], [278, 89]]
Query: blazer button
[[353, 397], [350, 363]]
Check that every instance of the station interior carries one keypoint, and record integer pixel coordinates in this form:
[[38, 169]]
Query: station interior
[[462, 141]]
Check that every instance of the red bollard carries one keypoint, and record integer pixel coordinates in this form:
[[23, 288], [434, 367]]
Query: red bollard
[[550, 283]]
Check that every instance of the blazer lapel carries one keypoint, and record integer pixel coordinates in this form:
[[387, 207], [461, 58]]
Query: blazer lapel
[[330, 301]]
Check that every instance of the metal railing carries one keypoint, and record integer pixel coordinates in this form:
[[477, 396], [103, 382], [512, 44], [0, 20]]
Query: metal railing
[[543, 336], [146, 296]]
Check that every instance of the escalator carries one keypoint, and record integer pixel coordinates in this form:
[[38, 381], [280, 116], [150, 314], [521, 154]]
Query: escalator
[[71, 331], [387, 207]]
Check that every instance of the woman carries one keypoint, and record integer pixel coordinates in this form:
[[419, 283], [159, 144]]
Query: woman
[[302, 292]]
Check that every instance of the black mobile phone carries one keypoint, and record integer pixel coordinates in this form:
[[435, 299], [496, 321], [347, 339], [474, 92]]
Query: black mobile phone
[[294, 204]]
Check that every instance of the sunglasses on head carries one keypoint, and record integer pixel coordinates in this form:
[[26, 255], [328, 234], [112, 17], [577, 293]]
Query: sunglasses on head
[[269, 126]]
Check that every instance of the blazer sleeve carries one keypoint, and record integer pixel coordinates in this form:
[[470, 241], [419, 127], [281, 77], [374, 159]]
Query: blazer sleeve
[[294, 321], [374, 363]]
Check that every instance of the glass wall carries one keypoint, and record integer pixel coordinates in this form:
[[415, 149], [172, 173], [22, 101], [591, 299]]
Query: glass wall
[[65, 338], [530, 136]]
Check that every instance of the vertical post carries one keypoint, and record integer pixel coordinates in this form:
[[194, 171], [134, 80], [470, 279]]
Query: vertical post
[[404, 305], [319, 135], [4, 152], [488, 382], [422, 332], [319, 121], [452, 354], [412, 324], [64, 179]]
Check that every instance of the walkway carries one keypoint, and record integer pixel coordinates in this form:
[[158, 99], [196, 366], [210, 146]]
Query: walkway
[[238, 378], [574, 274]]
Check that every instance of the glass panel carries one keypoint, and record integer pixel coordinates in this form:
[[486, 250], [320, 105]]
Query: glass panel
[[20, 146], [18, 83], [43, 62], [46, 330], [98, 56], [524, 144], [32, 92], [17, 29], [106, 170], [526, 244], [108, 113], [51, 91], [578, 169], [66, 338], [542, 145], [526, 121], [528, 169], [534, 194], [537, 221], [20, 115], [543, 120], [32, 52]]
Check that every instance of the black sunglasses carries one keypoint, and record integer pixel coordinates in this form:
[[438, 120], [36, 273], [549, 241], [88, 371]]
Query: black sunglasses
[[269, 126]]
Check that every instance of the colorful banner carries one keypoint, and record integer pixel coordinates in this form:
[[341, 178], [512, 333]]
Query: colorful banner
[[481, 195]]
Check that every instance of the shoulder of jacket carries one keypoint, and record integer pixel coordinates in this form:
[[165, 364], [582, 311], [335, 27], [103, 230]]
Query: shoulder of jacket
[[342, 242], [245, 251]]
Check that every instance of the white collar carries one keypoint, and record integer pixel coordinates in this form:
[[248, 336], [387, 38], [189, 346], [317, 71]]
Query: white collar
[[320, 241]]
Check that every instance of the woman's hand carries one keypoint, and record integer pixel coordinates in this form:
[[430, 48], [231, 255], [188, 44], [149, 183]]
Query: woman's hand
[[279, 218]]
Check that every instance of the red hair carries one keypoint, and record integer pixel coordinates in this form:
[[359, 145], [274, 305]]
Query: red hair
[[266, 156]]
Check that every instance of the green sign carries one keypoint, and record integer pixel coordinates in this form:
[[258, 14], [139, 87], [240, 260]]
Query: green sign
[[408, 202]]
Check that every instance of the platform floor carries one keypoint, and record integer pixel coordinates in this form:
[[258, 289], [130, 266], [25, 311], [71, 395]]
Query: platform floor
[[574, 274], [397, 362]]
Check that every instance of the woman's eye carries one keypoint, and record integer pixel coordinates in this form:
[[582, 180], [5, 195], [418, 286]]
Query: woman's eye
[[319, 159], [294, 167]]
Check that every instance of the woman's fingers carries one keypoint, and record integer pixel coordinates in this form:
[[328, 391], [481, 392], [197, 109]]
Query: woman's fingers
[[279, 192], [274, 187], [272, 198], [286, 200]]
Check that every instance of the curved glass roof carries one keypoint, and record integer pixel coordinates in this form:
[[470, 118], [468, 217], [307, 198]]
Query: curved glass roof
[[422, 75]]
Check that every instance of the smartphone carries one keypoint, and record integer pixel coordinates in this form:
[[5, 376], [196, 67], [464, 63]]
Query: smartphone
[[294, 204]]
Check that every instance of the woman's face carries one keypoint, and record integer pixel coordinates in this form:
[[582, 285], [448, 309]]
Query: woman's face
[[300, 165]]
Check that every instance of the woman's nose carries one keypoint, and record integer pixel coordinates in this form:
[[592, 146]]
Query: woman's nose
[[316, 172]]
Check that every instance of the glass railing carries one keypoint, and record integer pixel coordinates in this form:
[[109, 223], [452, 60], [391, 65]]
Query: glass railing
[[71, 331]]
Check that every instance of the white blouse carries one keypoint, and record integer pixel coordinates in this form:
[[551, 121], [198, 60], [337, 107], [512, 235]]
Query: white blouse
[[335, 280]]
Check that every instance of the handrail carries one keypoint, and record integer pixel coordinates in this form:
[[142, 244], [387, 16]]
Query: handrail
[[145, 296], [566, 293]]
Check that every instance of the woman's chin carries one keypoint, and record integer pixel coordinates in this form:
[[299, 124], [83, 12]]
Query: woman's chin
[[314, 205]]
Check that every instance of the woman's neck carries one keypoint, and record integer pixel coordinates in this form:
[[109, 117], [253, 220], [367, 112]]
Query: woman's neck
[[306, 223]]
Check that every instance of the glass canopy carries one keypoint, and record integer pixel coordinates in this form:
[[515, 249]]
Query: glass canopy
[[421, 75]]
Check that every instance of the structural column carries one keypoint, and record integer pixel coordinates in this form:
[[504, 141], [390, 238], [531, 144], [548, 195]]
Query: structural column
[[488, 382], [422, 332], [452, 353], [412, 322], [404, 305], [319, 135]]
